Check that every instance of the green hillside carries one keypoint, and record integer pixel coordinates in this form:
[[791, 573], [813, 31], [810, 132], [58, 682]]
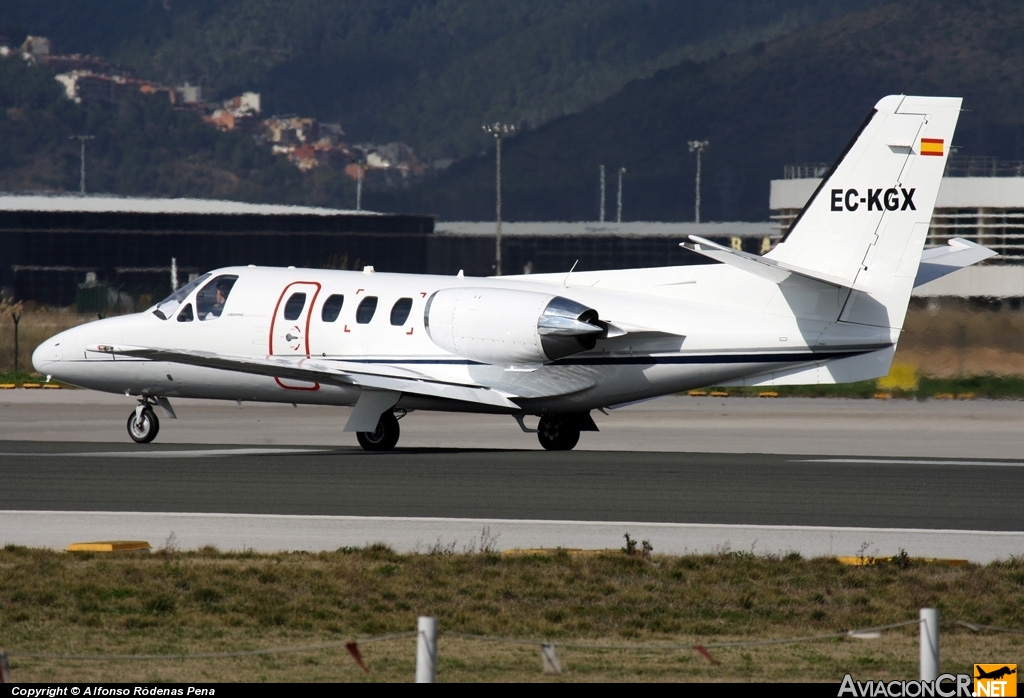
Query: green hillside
[[798, 99], [426, 72]]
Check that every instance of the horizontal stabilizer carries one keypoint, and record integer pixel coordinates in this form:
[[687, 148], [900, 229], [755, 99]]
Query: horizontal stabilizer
[[764, 267], [939, 261], [319, 372]]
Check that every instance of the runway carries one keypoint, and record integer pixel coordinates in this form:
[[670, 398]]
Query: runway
[[276, 489]]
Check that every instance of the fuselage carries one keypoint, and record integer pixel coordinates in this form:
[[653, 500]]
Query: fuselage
[[698, 328]]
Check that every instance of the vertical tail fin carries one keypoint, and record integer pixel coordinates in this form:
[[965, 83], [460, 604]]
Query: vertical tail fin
[[867, 222]]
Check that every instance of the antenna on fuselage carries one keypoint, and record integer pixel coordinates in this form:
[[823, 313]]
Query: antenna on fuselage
[[565, 282]]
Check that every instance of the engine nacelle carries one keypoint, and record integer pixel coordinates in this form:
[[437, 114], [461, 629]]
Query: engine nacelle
[[509, 327]]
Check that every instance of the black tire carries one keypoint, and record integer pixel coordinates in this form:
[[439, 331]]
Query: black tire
[[145, 428], [558, 433], [384, 437]]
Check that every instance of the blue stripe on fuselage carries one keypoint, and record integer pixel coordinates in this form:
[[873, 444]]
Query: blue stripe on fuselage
[[801, 357]]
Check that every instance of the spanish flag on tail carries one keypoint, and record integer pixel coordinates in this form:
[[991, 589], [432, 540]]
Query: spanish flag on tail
[[931, 146]]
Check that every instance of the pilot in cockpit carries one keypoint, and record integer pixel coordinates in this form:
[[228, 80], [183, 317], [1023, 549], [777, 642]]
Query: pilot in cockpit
[[209, 300], [221, 289], [218, 303]]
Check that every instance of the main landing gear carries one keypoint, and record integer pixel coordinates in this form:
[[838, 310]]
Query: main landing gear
[[558, 432], [143, 424], [384, 437]]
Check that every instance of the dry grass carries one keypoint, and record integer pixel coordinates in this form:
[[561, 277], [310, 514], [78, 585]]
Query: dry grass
[[185, 603], [956, 338], [36, 325]]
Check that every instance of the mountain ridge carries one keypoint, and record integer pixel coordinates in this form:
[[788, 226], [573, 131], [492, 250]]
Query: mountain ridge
[[795, 100]]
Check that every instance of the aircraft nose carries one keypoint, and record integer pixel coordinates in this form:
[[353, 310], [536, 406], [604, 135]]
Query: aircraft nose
[[50, 351]]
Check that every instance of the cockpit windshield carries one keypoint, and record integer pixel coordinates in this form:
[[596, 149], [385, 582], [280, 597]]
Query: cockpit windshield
[[165, 308], [210, 300]]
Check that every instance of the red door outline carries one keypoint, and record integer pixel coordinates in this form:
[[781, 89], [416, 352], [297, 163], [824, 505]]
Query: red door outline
[[304, 344]]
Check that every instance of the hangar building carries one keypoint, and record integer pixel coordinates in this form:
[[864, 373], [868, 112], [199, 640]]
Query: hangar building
[[103, 251], [55, 249], [554, 246]]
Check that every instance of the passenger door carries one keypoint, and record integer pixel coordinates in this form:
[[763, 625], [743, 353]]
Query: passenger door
[[289, 329]]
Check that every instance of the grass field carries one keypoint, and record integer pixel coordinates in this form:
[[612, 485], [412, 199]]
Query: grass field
[[612, 616]]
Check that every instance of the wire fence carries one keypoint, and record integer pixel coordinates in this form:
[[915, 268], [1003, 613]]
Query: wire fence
[[545, 646]]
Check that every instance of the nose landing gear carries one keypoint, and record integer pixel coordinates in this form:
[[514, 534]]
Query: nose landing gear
[[143, 424]]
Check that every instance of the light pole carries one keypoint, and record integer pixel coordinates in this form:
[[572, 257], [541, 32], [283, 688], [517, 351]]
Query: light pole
[[82, 139], [359, 187], [499, 131], [698, 147], [618, 210], [601, 213]]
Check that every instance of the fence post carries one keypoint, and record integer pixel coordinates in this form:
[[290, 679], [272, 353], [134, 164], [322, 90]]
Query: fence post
[[426, 650], [5, 668], [549, 659], [929, 644], [16, 316]]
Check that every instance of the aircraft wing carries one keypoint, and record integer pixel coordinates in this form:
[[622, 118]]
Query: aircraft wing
[[939, 261], [312, 370]]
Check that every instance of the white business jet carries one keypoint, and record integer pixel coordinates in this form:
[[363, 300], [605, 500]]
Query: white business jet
[[825, 306]]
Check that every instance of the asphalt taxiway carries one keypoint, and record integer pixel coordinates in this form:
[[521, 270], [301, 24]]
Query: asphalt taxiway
[[819, 477]]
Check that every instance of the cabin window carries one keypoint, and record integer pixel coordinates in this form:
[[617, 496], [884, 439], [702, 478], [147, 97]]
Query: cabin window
[[294, 305], [332, 307], [166, 308], [367, 307], [400, 311], [186, 313], [211, 298]]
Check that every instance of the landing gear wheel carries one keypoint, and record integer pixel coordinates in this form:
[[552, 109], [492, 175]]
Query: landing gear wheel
[[384, 437], [144, 427], [558, 433]]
